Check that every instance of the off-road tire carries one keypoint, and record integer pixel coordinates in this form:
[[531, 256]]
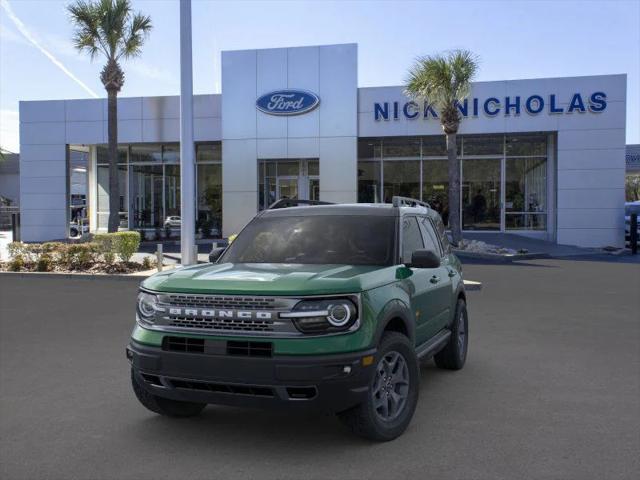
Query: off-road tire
[[454, 354], [363, 419], [164, 406]]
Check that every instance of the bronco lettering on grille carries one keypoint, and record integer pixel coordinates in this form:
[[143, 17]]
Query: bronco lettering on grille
[[213, 313]]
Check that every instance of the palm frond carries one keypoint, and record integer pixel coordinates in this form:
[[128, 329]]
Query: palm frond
[[442, 79], [139, 28], [109, 27]]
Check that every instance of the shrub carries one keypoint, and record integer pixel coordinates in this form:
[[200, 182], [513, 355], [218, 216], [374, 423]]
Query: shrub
[[17, 263], [16, 249], [79, 255], [44, 263], [106, 245], [126, 244], [148, 263]]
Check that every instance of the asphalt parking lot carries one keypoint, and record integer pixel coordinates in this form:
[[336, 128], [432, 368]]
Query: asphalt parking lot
[[551, 390]]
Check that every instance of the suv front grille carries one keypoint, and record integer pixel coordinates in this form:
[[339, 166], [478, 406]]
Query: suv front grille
[[225, 324], [217, 301]]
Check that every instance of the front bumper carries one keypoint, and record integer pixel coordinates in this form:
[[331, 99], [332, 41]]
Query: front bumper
[[321, 382]]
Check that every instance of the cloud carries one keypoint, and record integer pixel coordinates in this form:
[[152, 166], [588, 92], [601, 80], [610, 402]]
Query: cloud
[[152, 72], [22, 28], [9, 128]]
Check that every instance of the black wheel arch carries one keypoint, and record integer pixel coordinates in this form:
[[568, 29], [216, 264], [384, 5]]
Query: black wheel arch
[[397, 317]]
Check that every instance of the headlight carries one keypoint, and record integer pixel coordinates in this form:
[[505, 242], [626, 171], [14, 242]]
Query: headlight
[[147, 303], [323, 316]]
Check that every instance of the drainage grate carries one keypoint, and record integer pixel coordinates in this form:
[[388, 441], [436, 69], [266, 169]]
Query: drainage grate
[[249, 349], [253, 390]]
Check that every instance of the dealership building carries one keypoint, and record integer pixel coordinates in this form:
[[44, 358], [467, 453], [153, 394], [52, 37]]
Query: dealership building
[[542, 157]]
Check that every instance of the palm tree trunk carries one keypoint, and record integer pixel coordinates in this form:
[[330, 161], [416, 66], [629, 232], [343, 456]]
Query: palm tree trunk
[[454, 189], [114, 191]]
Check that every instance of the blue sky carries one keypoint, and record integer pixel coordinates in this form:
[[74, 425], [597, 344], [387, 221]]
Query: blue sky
[[513, 40]]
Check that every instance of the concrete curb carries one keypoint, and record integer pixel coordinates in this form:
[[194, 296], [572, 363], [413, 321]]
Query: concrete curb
[[77, 276], [472, 286], [499, 258]]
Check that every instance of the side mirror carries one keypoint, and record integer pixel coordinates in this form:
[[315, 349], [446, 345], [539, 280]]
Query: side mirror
[[215, 254], [424, 259]]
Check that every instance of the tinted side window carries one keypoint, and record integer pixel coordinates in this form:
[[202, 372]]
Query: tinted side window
[[430, 238], [444, 240], [411, 238]]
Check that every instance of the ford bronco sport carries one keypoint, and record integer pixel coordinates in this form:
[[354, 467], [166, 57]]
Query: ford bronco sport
[[328, 307]]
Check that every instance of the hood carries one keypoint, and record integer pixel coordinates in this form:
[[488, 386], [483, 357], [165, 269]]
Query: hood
[[271, 279]]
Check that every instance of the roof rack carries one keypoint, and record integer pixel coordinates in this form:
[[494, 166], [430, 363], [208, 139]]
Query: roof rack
[[408, 202], [295, 202]]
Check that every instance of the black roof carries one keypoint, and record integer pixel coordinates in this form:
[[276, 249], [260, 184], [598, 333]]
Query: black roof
[[365, 209]]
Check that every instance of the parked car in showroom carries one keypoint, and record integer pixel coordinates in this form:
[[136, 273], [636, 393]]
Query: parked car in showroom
[[324, 307], [77, 229], [173, 221]]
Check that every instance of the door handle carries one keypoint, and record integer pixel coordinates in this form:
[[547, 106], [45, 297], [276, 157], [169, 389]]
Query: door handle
[[434, 279]]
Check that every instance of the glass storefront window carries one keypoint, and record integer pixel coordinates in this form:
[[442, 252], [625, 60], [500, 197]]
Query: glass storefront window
[[146, 191], [313, 167], [435, 186], [403, 147], [526, 145], [102, 203], [210, 199], [433, 146], [171, 190], [525, 193], [208, 152], [144, 153], [369, 148], [481, 194], [401, 177], [369, 182], [482, 144], [171, 153], [102, 154]]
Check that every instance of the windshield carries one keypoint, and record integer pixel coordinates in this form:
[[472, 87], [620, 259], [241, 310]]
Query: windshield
[[316, 239]]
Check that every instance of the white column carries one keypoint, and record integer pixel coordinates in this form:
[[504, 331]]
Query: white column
[[187, 167]]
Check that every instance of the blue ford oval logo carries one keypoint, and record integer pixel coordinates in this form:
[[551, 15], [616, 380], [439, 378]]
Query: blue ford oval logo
[[287, 102]]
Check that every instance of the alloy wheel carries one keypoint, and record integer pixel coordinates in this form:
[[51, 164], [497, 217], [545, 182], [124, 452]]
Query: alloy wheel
[[391, 386]]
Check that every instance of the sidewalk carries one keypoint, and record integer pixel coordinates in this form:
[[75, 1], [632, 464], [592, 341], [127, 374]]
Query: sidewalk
[[532, 245]]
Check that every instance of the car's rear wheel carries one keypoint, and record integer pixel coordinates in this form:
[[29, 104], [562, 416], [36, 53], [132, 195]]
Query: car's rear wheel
[[454, 354], [392, 395], [164, 406]]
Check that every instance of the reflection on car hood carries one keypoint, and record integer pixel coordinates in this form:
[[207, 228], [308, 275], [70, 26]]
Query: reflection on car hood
[[271, 279]]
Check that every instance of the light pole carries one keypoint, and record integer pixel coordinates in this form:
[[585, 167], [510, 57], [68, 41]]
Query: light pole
[[188, 250]]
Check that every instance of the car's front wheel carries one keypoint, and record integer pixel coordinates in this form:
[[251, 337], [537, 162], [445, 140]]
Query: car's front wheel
[[392, 395], [164, 406]]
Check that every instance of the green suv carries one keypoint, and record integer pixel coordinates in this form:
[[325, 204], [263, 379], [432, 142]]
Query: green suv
[[326, 307]]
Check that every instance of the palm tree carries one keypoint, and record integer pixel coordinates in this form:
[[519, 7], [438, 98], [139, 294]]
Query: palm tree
[[110, 28], [445, 81]]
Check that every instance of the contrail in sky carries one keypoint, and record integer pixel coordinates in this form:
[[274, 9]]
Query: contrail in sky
[[27, 34]]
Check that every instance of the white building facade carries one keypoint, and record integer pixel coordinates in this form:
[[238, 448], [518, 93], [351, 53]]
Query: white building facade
[[541, 157]]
